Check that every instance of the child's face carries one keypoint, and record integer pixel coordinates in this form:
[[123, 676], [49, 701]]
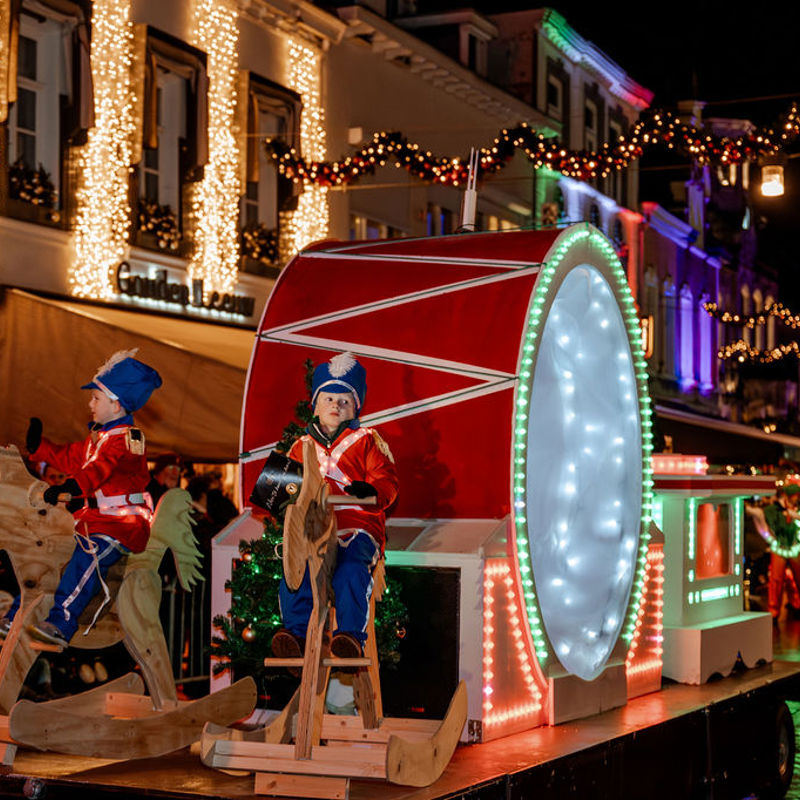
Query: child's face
[[334, 409], [103, 408]]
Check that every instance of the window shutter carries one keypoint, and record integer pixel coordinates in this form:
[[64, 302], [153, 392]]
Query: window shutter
[[83, 88], [137, 85], [150, 107], [242, 127]]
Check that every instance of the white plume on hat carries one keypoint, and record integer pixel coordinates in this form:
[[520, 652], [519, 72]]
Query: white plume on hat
[[115, 359], [341, 364]]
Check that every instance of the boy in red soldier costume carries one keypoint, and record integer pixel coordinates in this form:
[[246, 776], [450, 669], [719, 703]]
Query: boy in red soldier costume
[[108, 475], [356, 461]]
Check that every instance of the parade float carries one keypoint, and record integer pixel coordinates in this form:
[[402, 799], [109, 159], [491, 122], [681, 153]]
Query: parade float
[[506, 372]]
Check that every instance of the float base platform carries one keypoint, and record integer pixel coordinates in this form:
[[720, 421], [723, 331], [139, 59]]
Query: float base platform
[[683, 742]]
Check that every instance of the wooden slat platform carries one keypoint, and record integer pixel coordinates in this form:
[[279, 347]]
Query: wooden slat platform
[[504, 768]]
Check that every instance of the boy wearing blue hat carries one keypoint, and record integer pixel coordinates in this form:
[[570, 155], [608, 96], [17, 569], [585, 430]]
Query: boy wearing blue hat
[[354, 460], [108, 475]]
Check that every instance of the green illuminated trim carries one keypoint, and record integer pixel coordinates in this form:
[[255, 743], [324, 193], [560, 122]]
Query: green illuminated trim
[[583, 234], [691, 527]]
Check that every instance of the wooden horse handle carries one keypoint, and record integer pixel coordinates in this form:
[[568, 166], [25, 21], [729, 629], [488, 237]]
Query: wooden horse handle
[[350, 500]]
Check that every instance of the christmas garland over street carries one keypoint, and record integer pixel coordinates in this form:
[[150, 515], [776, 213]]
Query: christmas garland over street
[[657, 128]]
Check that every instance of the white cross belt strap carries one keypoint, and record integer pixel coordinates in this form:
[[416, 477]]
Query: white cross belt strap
[[135, 503]]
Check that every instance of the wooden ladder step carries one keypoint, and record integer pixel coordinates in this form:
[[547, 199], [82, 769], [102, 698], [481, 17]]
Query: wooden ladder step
[[326, 662]]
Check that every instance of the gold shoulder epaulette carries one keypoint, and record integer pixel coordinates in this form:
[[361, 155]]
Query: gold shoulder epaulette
[[382, 446], [134, 441]]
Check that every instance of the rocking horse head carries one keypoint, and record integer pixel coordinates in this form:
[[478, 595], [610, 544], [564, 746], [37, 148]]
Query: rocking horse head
[[36, 536]]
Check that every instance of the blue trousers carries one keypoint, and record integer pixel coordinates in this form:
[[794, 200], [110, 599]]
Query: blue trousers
[[80, 583], [352, 586]]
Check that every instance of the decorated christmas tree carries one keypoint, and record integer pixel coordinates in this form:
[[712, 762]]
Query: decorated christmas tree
[[246, 633]]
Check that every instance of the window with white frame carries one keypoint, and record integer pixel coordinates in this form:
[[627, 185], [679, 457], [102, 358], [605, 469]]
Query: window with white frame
[[555, 96], [160, 174], [472, 49], [758, 307], [653, 310], [34, 119], [686, 343], [590, 125], [706, 348], [615, 177], [768, 303], [668, 338], [266, 111], [260, 201], [744, 295]]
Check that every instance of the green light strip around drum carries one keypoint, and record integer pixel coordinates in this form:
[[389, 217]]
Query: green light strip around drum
[[582, 446]]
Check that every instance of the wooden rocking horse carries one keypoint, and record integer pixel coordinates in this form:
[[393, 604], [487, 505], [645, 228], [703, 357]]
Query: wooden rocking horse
[[328, 749], [116, 720]]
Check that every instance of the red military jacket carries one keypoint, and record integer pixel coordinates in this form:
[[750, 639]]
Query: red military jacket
[[357, 455], [111, 469]]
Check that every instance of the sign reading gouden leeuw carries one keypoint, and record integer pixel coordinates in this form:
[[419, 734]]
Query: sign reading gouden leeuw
[[189, 297]]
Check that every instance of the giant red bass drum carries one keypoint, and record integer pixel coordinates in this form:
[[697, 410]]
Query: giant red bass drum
[[506, 372]]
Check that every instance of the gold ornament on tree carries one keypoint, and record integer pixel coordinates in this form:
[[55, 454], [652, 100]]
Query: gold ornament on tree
[[248, 634]]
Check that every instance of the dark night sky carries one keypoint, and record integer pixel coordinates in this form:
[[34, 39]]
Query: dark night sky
[[712, 51], [716, 52]]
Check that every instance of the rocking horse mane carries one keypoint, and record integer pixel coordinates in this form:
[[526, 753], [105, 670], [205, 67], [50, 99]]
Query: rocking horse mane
[[171, 529]]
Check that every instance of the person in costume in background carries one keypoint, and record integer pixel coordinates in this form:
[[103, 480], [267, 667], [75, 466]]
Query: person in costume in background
[[781, 516], [356, 461], [105, 491], [165, 475]]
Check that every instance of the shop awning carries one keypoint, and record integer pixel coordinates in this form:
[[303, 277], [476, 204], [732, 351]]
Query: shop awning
[[49, 348], [721, 441]]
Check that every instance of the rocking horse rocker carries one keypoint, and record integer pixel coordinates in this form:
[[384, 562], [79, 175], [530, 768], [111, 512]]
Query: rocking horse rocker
[[329, 750]]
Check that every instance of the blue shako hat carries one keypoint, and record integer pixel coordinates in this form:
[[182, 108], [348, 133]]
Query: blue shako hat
[[126, 380], [341, 374]]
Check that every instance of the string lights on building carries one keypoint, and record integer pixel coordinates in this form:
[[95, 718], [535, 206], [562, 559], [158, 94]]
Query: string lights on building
[[102, 216], [775, 310], [5, 61], [309, 222], [215, 200], [658, 128]]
